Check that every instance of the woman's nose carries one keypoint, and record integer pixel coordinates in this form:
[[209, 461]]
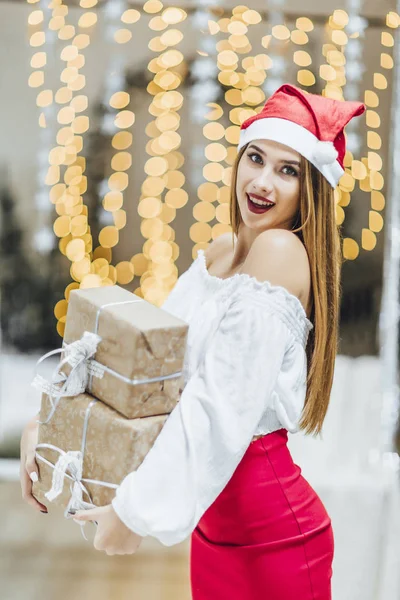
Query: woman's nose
[[264, 182]]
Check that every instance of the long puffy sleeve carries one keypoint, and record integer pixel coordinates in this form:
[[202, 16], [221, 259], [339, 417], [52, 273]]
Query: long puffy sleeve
[[209, 430]]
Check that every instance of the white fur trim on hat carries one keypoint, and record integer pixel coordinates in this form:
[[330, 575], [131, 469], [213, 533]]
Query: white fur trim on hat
[[323, 155]]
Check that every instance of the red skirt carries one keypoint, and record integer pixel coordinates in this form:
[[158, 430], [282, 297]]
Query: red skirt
[[267, 536]]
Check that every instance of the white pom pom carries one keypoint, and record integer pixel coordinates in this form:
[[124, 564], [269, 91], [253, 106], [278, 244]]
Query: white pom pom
[[325, 153]]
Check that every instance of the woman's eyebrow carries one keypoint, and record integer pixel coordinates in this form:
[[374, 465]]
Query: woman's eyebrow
[[288, 162]]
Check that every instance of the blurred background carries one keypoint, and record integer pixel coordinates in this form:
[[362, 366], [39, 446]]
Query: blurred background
[[119, 126]]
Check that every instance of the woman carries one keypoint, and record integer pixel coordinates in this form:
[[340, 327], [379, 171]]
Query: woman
[[262, 342]]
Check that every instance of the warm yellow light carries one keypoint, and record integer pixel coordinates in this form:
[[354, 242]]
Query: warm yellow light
[[350, 249], [387, 39], [371, 98], [281, 32], [305, 77], [149, 207], [301, 58], [234, 97], [368, 239], [87, 20], [176, 198], [109, 236], [386, 61], [304, 24], [377, 200], [375, 221], [113, 201], [152, 6], [213, 172], [215, 152], [336, 58], [358, 170], [63, 95], [156, 166], [118, 181], [173, 15], [75, 250], [80, 124], [65, 115], [376, 180], [124, 119], [81, 41], [374, 161], [251, 17], [67, 32], [339, 37], [130, 16], [125, 272], [122, 36], [392, 20], [237, 28], [36, 79], [171, 58], [157, 24], [119, 100], [35, 17], [56, 23], [79, 103], [380, 81], [204, 212], [88, 3], [347, 182], [37, 39], [213, 27], [171, 37], [214, 131], [340, 18], [122, 140], [373, 120], [299, 37]]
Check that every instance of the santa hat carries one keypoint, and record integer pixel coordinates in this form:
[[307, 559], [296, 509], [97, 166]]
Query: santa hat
[[311, 124]]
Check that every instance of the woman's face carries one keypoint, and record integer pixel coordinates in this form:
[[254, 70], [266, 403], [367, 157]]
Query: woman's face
[[269, 171]]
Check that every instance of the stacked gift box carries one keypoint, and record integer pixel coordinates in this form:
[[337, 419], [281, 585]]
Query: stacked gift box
[[119, 377]]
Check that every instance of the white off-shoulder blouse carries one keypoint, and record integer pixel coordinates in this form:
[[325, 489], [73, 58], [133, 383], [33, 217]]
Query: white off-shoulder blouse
[[245, 374]]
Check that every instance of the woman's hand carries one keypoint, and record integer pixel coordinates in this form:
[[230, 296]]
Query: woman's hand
[[112, 535], [28, 467]]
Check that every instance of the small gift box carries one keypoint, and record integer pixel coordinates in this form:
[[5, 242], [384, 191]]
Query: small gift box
[[86, 450], [123, 350]]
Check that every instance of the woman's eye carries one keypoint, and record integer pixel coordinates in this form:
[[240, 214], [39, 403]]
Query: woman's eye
[[291, 171], [254, 154]]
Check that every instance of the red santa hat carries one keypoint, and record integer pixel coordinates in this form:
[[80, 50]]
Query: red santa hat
[[309, 123]]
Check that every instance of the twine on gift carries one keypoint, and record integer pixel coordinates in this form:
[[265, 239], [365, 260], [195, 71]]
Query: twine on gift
[[72, 461], [79, 355]]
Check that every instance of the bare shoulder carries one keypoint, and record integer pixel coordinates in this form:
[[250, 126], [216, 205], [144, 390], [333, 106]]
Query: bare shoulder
[[222, 243], [278, 256]]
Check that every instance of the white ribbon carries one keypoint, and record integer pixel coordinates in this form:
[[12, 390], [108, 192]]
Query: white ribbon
[[77, 355], [71, 460]]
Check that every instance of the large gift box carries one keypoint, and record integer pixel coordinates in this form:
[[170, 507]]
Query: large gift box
[[138, 341], [86, 450]]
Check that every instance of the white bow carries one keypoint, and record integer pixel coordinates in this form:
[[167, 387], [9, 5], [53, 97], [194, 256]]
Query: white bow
[[77, 355], [73, 462]]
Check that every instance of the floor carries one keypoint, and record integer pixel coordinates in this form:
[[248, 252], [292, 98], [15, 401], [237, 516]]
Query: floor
[[44, 557]]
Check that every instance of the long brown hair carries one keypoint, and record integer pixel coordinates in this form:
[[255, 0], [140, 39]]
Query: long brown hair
[[317, 228]]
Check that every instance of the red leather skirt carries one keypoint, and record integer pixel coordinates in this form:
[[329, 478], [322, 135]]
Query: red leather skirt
[[267, 536]]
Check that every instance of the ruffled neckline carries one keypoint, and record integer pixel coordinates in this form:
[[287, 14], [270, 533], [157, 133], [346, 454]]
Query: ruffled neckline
[[291, 299]]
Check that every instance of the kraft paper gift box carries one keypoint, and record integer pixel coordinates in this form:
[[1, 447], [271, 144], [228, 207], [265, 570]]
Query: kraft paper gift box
[[112, 447], [138, 341]]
